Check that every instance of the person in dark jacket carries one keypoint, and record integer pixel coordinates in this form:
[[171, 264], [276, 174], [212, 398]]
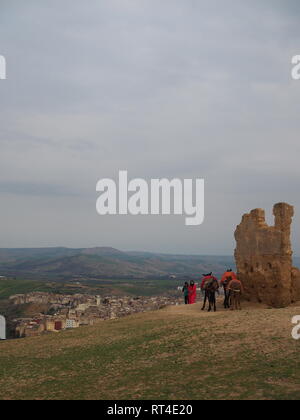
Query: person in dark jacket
[[210, 286], [185, 291]]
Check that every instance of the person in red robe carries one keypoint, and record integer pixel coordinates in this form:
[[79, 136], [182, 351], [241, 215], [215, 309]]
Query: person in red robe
[[192, 293]]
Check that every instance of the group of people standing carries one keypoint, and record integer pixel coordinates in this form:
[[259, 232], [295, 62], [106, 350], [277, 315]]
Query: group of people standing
[[210, 285], [190, 292]]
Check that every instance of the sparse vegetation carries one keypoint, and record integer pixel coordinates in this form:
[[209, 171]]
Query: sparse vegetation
[[176, 353]]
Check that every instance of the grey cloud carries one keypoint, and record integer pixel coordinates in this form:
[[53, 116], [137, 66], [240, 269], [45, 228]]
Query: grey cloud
[[35, 189], [172, 88]]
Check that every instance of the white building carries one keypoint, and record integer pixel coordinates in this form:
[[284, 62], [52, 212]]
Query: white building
[[71, 323]]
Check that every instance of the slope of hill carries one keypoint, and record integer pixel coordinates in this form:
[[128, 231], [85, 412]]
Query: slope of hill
[[176, 353], [95, 263]]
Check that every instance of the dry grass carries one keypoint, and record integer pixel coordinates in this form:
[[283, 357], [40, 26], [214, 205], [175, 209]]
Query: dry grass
[[176, 353]]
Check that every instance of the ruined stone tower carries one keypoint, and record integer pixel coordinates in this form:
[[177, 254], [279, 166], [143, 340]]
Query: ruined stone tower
[[264, 257]]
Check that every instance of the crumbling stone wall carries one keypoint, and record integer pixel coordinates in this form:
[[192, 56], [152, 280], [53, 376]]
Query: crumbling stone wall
[[264, 257]]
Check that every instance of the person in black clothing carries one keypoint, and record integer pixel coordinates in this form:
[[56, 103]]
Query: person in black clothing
[[185, 291]]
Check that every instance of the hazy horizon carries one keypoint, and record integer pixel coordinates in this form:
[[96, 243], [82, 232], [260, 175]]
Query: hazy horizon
[[133, 250]]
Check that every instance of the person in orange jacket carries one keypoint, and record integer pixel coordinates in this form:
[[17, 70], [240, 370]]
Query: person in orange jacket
[[225, 280], [228, 273]]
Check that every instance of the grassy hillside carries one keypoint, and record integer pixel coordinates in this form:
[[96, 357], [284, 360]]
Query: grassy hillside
[[9, 287], [176, 353], [141, 287]]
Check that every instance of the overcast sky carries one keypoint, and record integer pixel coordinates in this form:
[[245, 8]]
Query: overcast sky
[[162, 88]]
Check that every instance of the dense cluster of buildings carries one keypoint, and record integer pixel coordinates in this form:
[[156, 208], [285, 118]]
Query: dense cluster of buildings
[[73, 311]]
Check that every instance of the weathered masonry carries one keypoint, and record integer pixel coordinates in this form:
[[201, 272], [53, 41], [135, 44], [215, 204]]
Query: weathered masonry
[[264, 257]]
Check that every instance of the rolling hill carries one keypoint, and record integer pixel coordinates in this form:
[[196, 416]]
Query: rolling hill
[[95, 263]]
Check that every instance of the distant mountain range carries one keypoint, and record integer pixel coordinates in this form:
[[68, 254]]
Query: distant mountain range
[[104, 263]]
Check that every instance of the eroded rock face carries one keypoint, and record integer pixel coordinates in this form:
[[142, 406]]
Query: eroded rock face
[[264, 257], [295, 284]]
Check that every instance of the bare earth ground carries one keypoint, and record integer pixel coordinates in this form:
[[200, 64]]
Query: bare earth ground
[[176, 353]]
